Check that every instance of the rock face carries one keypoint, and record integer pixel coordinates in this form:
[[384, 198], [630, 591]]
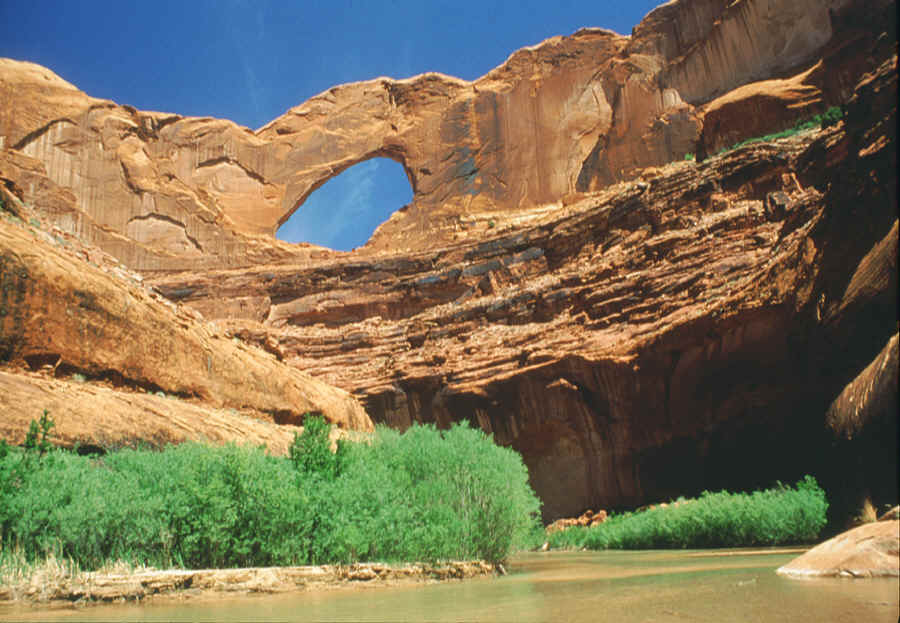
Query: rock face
[[641, 341], [569, 115], [638, 326], [97, 418], [869, 551], [60, 314], [761, 107]]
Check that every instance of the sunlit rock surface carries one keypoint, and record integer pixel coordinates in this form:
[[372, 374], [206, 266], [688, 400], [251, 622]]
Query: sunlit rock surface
[[569, 115], [868, 551]]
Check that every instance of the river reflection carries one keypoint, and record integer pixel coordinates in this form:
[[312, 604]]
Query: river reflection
[[584, 586]]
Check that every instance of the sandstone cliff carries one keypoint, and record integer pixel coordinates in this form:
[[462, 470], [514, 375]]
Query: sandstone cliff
[[654, 337], [71, 312], [569, 115], [637, 325]]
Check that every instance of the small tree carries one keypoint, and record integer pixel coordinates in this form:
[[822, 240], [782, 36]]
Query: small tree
[[37, 438], [311, 450]]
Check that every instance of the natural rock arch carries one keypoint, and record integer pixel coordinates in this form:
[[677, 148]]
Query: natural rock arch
[[344, 216], [569, 115], [297, 203]]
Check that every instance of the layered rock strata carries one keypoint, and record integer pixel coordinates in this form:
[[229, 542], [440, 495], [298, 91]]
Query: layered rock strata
[[639, 342]]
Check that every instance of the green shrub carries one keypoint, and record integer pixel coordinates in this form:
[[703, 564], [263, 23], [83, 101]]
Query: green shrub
[[428, 494], [311, 451], [773, 517], [422, 495], [832, 116]]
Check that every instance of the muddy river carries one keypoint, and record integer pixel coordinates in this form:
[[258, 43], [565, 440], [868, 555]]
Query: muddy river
[[705, 585]]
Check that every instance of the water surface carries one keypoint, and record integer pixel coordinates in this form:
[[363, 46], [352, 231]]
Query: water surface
[[710, 586]]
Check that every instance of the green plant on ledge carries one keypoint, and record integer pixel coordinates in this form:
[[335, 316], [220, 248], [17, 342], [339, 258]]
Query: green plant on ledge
[[823, 120]]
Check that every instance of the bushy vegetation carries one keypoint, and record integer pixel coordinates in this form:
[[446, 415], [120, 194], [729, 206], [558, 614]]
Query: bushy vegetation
[[823, 120], [775, 516], [421, 495]]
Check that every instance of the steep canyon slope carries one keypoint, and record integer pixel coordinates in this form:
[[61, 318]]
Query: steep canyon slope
[[638, 325]]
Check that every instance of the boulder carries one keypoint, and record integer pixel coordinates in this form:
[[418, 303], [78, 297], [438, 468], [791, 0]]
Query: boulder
[[868, 551]]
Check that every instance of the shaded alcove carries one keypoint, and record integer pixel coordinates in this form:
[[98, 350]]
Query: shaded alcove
[[344, 212]]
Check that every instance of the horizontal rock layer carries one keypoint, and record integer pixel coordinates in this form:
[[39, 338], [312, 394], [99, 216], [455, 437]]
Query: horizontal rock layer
[[683, 319]]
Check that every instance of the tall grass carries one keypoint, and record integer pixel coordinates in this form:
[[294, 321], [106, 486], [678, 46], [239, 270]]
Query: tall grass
[[421, 495], [775, 516]]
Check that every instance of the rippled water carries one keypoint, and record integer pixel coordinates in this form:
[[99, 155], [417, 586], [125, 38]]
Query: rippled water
[[584, 586]]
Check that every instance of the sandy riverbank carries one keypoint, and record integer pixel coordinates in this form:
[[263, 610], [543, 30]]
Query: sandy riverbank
[[141, 584]]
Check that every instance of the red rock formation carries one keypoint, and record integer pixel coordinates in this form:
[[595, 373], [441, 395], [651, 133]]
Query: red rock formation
[[638, 332], [766, 106], [59, 312], [639, 342], [587, 519], [99, 416]]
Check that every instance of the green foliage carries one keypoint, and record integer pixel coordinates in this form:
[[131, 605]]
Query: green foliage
[[311, 451], [689, 156], [422, 495], [831, 116], [37, 437], [824, 120], [428, 495], [772, 517]]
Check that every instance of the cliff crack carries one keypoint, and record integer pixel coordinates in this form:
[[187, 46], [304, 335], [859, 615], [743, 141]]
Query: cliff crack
[[128, 181], [170, 220], [36, 134], [229, 160]]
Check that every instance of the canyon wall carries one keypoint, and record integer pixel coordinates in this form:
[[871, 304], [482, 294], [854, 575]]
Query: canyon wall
[[637, 325], [569, 115]]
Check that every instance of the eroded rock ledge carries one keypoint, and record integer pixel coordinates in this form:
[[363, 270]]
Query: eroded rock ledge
[[688, 318]]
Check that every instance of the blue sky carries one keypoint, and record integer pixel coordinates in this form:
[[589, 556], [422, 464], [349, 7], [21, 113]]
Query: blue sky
[[251, 60]]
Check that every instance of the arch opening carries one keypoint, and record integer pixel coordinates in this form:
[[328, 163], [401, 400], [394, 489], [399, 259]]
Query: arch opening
[[344, 212]]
